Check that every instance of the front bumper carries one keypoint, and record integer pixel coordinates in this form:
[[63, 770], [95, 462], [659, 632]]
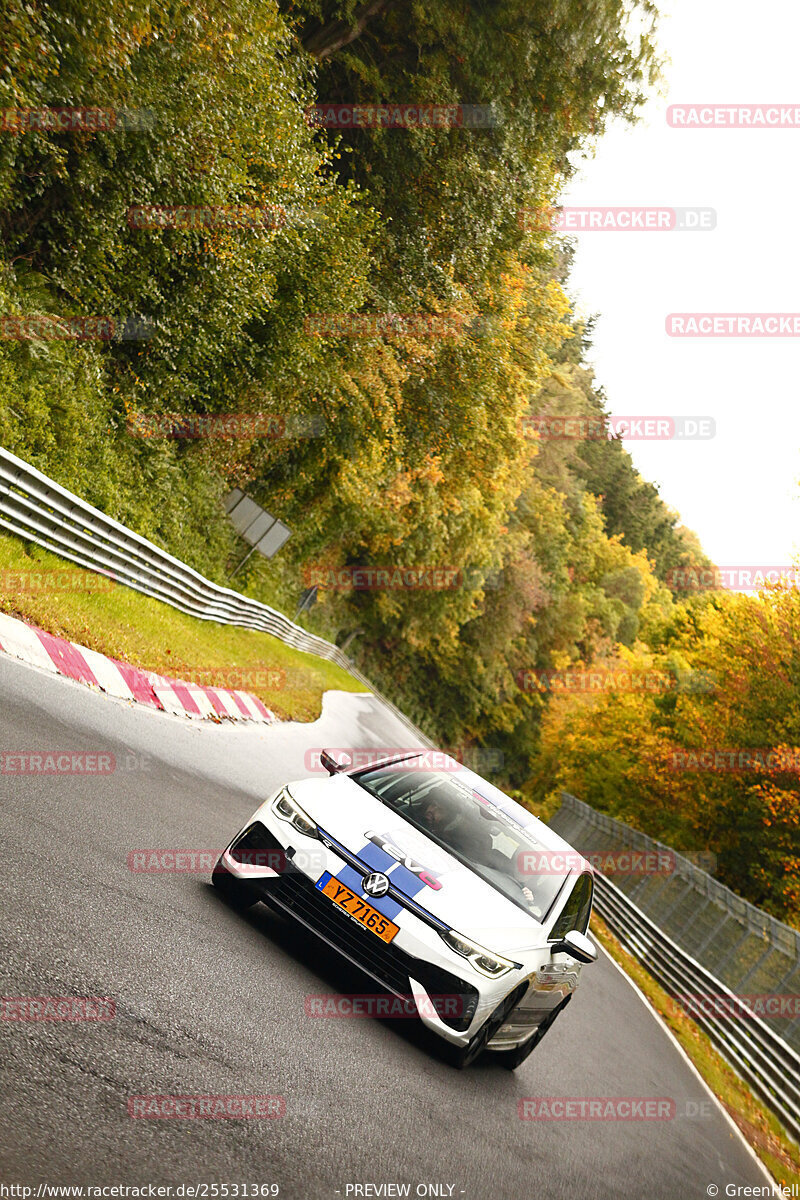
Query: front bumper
[[416, 962]]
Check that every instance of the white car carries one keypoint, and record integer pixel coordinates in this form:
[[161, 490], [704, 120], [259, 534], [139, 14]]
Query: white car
[[421, 877]]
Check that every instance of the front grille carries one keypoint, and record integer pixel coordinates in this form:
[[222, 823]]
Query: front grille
[[390, 966], [295, 893]]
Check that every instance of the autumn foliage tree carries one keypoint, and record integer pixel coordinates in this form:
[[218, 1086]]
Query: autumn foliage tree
[[711, 762]]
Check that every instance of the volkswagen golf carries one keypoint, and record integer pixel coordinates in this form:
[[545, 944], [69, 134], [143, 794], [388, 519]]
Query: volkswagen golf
[[435, 884]]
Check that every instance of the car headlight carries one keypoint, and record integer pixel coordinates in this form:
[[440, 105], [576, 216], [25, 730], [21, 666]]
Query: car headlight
[[289, 810], [483, 960]]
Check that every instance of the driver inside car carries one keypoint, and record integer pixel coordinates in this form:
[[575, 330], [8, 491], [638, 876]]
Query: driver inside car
[[450, 826]]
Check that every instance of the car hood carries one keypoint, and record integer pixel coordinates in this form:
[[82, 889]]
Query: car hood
[[464, 901]]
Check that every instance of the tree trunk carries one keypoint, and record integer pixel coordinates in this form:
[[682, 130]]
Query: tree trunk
[[336, 34]]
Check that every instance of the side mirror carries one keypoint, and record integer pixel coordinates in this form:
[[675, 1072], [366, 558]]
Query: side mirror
[[577, 945], [333, 763]]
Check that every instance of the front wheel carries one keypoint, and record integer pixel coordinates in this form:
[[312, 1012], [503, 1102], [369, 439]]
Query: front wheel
[[511, 1059], [232, 890], [462, 1056]]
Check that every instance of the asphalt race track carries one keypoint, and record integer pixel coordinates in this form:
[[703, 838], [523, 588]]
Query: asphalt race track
[[211, 1002]]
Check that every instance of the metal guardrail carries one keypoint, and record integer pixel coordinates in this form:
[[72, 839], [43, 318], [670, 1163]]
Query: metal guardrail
[[759, 1055], [746, 949], [762, 1059], [36, 508], [615, 834]]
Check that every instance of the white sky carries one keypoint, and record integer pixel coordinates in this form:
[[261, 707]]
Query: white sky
[[740, 491]]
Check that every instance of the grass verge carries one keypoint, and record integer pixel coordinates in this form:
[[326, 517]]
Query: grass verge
[[780, 1155], [83, 607]]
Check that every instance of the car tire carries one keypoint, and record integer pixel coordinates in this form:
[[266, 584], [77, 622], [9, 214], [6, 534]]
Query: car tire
[[232, 890], [511, 1059], [462, 1056]]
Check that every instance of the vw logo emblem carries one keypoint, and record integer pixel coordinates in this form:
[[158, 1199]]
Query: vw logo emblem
[[375, 885]]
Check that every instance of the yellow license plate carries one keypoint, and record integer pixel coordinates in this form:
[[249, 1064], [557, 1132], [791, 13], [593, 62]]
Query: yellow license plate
[[364, 913]]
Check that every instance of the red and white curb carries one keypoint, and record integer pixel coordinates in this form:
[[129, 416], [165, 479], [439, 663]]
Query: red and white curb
[[60, 657]]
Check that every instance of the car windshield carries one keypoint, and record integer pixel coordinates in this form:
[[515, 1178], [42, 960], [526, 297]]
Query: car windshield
[[476, 823]]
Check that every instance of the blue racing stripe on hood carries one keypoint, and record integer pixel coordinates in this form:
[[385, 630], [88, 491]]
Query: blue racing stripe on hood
[[380, 860], [400, 877], [406, 881], [375, 858]]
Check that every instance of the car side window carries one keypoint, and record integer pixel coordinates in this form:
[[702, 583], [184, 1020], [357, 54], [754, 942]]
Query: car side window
[[576, 912]]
